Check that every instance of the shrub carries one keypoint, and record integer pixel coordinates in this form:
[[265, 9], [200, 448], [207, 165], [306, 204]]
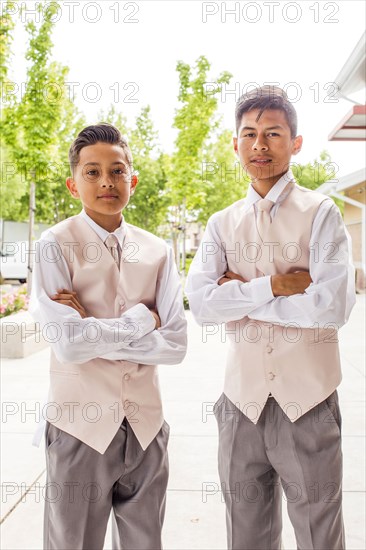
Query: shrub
[[14, 301]]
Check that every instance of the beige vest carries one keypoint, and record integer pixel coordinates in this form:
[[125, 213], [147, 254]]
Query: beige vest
[[91, 399], [300, 367]]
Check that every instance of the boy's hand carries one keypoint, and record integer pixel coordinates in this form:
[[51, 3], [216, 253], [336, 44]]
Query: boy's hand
[[290, 283], [69, 298], [156, 317], [230, 276]]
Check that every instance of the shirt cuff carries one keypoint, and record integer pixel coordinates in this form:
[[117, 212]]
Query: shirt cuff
[[142, 317], [261, 290]]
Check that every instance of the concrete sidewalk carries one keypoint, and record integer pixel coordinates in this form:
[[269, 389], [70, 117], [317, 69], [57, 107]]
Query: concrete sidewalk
[[195, 517]]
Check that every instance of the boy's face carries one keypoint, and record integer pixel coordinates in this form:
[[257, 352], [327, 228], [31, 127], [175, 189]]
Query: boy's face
[[265, 147], [103, 181]]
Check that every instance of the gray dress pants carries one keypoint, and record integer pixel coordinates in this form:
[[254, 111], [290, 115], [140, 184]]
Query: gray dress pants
[[83, 487], [301, 462]]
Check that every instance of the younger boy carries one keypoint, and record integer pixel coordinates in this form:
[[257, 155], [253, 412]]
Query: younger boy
[[108, 295], [278, 271]]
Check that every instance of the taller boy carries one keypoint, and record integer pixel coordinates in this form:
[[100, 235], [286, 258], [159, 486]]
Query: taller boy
[[277, 270], [111, 294]]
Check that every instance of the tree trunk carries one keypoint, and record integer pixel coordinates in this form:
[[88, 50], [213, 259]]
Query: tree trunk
[[175, 245], [32, 204], [183, 233]]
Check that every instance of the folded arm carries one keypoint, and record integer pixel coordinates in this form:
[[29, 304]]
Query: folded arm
[[325, 294], [330, 296], [168, 344], [77, 339], [210, 301]]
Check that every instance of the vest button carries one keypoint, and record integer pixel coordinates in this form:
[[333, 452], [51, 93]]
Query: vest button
[[269, 349], [271, 376], [126, 377]]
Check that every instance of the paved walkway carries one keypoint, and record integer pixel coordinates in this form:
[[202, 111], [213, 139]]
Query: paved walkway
[[195, 517]]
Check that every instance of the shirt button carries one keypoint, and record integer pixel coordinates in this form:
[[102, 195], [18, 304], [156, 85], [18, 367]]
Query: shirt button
[[271, 375], [121, 303], [269, 349], [126, 377], [126, 404]]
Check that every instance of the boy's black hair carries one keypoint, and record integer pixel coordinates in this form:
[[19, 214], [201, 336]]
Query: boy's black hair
[[266, 98], [104, 133]]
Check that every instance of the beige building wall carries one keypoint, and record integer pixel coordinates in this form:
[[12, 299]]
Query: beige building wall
[[353, 221]]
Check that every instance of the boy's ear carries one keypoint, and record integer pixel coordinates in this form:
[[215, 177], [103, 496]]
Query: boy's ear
[[71, 185], [297, 145], [134, 182], [235, 144]]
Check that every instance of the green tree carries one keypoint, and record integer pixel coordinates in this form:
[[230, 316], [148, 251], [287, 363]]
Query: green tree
[[46, 93], [32, 126], [112, 116], [311, 175], [223, 179], [148, 206], [11, 184], [7, 25], [63, 205], [195, 122]]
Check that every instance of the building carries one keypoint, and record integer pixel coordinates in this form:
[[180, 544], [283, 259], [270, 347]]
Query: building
[[351, 188]]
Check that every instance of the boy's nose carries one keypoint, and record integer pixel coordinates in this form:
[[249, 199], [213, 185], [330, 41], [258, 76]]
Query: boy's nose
[[259, 145], [107, 182]]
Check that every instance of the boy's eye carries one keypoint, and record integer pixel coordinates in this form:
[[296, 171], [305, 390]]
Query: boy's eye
[[92, 173], [119, 171], [249, 135], [273, 134]]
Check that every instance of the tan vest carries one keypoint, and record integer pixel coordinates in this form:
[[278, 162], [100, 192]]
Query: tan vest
[[91, 399], [299, 366]]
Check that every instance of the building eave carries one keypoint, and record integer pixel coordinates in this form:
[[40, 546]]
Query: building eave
[[352, 127], [352, 76], [344, 183]]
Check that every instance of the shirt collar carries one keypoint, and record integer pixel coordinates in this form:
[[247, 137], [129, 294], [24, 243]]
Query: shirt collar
[[120, 232], [273, 194]]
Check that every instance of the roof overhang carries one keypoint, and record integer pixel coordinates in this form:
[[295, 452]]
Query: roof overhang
[[352, 127], [352, 76], [343, 183]]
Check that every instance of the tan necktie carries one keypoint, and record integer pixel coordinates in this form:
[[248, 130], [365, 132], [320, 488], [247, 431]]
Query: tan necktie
[[111, 243], [263, 217], [263, 227]]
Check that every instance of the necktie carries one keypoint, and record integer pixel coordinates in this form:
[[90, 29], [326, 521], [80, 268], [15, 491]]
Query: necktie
[[264, 266], [111, 243], [263, 217]]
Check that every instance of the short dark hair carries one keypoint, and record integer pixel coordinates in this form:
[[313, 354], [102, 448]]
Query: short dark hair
[[102, 132], [266, 98]]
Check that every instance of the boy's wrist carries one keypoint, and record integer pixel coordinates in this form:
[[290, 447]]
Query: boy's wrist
[[275, 280], [156, 318]]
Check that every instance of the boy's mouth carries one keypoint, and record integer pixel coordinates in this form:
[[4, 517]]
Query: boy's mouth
[[260, 161], [108, 197]]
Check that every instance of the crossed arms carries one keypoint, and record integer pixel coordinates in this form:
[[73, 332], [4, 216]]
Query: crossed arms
[[324, 295], [282, 284], [138, 335]]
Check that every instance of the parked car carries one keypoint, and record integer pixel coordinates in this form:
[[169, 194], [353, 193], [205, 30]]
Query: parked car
[[14, 260]]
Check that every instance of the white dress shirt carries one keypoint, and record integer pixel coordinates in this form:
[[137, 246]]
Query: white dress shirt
[[328, 299], [165, 345]]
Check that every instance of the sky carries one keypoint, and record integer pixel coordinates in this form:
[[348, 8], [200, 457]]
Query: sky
[[125, 53]]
